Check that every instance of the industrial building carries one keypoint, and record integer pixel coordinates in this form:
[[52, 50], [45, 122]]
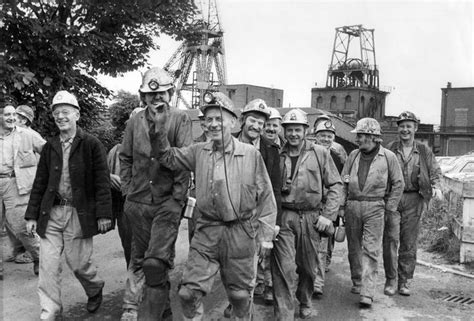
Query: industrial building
[[241, 94], [457, 120]]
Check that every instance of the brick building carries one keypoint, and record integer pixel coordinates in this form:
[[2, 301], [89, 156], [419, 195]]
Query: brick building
[[241, 94], [457, 120]]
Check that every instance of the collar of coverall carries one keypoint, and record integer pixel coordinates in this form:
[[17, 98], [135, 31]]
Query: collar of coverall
[[415, 146], [235, 145]]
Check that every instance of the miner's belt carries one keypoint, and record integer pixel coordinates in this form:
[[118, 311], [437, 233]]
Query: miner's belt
[[62, 202], [411, 191], [365, 198]]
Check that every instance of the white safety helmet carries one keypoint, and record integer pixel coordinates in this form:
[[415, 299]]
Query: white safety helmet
[[295, 116], [64, 97], [325, 125], [274, 113], [257, 106], [156, 80], [367, 126]]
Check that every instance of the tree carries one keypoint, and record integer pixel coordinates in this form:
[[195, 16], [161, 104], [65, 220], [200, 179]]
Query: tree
[[120, 110], [63, 44]]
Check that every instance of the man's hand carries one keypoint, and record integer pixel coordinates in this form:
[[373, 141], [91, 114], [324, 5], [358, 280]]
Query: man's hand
[[323, 223], [265, 248], [275, 232], [104, 225], [115, 182], [438, 194], [341, 213], [31, 226], [160, 118]]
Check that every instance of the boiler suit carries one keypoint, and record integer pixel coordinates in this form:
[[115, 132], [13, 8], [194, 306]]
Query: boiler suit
[[154, 199], [365, 210], [420, 172], [238, 210], [298, 241]]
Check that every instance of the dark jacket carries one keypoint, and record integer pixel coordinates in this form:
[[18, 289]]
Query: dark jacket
[[430, 172], [271, 157], [90, 183]]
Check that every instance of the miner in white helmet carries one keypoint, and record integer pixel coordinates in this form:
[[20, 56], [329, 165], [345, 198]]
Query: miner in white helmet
[[307, 170], [155, 197], [373, 185], [70, 203], [234, 196], [422, 175]]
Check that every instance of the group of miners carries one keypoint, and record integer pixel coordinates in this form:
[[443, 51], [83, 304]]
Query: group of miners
[[267, 201]]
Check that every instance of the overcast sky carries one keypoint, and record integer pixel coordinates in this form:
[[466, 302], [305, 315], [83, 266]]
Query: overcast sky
[[287, 44]]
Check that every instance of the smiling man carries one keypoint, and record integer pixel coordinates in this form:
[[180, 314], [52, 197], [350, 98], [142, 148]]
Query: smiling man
[[421, 174], [20, 148], [70, 203], [155, 196], [373, 185], [307, 171]]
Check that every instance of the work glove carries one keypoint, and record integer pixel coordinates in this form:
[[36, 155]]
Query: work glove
[[437, 194], [323, 223]]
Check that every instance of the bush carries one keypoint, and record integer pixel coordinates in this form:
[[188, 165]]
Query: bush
[[436, 231]]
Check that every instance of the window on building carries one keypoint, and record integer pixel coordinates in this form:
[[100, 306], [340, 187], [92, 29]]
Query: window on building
[[278, 102], [460, 117], [333, 103], [319, 102], [347, 102]]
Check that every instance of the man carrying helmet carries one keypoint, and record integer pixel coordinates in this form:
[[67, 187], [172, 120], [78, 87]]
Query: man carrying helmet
[[373, 185], [253, 118], [155, 196], [237, 206], [70, 203], [273, 128], [421, 174], [325, 134], [307, 169]]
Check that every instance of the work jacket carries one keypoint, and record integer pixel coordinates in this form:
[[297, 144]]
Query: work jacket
[[271, 157], [246, 192], [384, 179], [90, 183], [430, 172], [27, 145], [143, 178], [315, 175]]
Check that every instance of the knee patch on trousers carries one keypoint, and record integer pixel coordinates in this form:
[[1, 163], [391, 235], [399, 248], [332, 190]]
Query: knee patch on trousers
[[156, 272], [190, 301], [240, 300]]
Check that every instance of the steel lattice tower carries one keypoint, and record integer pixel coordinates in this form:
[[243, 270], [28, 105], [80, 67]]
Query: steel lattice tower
[[198, 65], [360, 70]]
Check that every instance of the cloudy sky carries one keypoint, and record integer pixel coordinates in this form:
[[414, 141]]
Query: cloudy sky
[[287, 44]]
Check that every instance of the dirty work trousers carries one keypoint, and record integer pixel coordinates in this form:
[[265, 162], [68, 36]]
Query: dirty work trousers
[[15, 208], [230, 248], [264, 274], [294, 262], [364, 228], [64, 234], [400, 237], [155, 230], [321, 268]]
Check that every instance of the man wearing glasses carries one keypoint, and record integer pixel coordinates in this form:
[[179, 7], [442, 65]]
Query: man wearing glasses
[[70, 203]]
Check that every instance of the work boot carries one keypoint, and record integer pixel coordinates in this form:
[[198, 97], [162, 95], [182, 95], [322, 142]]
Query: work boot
[[259, 290], [403, 289], [365, 301], [356, 288], [23, 258], [129, 315], [389, 288], [305, 312], [154, 302], [94, 302], [268, 295]]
